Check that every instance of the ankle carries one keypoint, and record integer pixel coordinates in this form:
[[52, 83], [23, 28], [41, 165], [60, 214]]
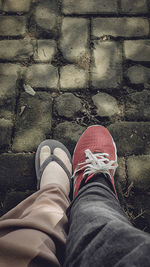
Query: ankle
[[98, 178]]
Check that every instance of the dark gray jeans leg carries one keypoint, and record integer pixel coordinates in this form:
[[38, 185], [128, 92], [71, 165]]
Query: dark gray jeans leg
[[100, 233]]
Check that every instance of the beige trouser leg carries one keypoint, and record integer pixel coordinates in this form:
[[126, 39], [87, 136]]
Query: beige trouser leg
[[34, 232]]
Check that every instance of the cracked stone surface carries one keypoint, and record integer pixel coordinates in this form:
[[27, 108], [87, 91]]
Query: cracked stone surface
[[111, 26], [73, 77], [68, 105], [139, 75], [74, 46], [45, 16], [106, 105], [95, 6], [138, 171], [134, 7], [138, 106], [5, 132], [131, 137], [84, 63], [42, 76], [24, 167], [16, 6], [68, 133], [9, 74], [107, 65], [12, 26], [34, 121], [137, 50], [15, 50], [46, 50]]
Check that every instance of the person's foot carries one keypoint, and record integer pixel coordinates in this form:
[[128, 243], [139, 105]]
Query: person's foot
[[54, 171], [94, 153]]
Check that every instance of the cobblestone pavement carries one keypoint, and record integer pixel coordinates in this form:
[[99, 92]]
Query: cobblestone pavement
[[65, 65]]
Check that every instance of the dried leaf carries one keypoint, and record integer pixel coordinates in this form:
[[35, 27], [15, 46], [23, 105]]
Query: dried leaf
[[29, 90], [22, 110]]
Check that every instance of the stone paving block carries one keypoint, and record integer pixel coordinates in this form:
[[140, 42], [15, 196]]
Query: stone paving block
[[68, 133], [106, 105], [12, 25], [8, 94], [68, 105], [17, 171], [9, 74], [33, 121], [138, 171], [122, 27], [120, 176], [10, 70], [134, 7], [138, 106], [131, 137], [74, 39], [72, 77], [137, 50], [13, 198], [46, 13], [139, 75], [106, 71], [42, 76], [88, 6], [121, 180], [16, 6], [46, 50], [15, 50], [5, 132]]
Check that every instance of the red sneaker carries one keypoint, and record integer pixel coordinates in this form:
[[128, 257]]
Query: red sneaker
[[94, 153]]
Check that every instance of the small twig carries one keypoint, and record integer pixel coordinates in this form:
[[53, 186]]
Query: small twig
[[128, 190], [139, 215]]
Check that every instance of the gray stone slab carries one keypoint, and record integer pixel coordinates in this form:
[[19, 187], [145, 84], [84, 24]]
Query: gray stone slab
[[15, 50], [134, 7], [45, 51], [68, 105], [18, 171], [9, 74], [16, 6], [12, 25], [139, 75], [138, 171], [42, 76], [107, 105], [122, 27], [138, 106], [120, 176], [106, 71], [74, 39], [46, 14], [88, 6], [73, 77], [8, 94], [137, 50], [13, 198], [131, 137], [68, 133], [33, 121], [10, 70], [5, 132]]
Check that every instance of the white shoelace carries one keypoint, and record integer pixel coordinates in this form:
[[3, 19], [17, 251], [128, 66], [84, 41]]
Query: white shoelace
[[95, 163]]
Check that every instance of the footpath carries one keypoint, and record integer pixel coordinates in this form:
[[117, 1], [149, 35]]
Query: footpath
[[65, 65]]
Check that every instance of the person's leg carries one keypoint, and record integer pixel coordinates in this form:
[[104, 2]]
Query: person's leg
[[100, 233], [34, 232]]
